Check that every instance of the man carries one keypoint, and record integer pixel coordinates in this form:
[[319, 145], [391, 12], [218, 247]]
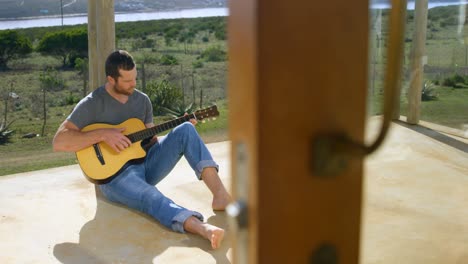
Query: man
[[134, 186]]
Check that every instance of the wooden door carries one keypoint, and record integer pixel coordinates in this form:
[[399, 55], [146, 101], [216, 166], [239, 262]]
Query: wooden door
[[297, 69]]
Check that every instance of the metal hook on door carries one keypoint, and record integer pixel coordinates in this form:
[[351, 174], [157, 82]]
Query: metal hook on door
[[331, 152]]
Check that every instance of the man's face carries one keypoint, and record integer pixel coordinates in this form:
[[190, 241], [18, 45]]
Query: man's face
[[126, 82]]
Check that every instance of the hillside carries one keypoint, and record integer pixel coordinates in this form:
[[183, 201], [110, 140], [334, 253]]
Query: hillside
[[10, 9]]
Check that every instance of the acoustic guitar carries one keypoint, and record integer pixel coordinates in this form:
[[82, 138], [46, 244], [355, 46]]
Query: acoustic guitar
[[100, 163]]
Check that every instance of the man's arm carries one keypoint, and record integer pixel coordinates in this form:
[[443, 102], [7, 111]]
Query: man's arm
[[69, 138]]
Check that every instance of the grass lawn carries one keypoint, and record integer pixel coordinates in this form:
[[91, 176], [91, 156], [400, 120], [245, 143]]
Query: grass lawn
[[450, 108]]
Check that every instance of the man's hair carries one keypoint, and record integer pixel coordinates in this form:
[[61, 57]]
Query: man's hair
[[118, 60]]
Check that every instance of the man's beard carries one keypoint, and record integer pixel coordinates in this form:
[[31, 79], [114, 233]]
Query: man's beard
[[117, 90]]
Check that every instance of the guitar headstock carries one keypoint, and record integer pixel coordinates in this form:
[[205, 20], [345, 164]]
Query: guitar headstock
[[211, 111]]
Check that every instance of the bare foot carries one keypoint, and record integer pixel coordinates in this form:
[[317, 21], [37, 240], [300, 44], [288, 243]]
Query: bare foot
[[213, 233]]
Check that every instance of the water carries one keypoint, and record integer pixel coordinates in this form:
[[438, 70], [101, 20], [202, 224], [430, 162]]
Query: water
[[83, 19]]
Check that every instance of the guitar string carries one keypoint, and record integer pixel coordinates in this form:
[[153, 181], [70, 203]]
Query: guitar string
[[146, 133]]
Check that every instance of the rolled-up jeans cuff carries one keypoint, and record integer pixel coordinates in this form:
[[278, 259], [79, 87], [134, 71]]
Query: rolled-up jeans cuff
[[179, 220], [205, 164]]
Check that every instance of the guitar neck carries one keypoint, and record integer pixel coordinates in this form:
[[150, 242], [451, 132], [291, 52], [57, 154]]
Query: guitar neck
[[152, 131]]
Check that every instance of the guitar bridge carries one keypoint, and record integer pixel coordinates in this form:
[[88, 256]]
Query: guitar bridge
[[97, 149]]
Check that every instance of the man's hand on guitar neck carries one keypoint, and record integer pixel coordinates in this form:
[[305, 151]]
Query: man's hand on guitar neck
[[192, 120]]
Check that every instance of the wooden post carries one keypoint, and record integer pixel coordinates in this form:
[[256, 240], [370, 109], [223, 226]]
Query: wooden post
[[101, 39], [417, 64], [92, 45], [292, 78], [244, 120]]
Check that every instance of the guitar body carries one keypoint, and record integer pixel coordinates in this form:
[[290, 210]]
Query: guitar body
[[94, 169]]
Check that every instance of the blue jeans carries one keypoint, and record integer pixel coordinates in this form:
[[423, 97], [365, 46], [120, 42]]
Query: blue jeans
[[135, 185]]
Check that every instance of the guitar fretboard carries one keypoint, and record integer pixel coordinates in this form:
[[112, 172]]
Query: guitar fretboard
[[149, 132]]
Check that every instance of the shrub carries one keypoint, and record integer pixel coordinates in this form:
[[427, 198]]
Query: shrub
[[168, 59], [163, 95], [71, 99], [52, 80], [460, 85], [428, 91], [220, 33], [448, 82], [458, 78], [197, 64], [214, 53], [451, 21], [456, 81], [143, 43], [5, 133], [179, 110]]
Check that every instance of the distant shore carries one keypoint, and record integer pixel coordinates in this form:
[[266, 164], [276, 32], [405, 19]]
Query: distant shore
[[76, 19], [117, 13], [42, 17]]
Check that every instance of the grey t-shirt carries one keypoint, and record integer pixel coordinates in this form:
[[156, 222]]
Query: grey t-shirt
[[100, 107]]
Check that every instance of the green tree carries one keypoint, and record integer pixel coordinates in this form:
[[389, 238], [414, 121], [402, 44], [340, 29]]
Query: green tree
[[66, 44], [12, 45]]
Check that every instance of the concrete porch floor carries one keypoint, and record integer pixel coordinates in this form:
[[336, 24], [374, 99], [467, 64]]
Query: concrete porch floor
[[415, 198], [53, 216], [415, 206]]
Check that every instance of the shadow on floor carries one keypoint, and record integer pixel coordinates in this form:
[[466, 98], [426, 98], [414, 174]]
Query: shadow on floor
[[436, 135], [121, 235]]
